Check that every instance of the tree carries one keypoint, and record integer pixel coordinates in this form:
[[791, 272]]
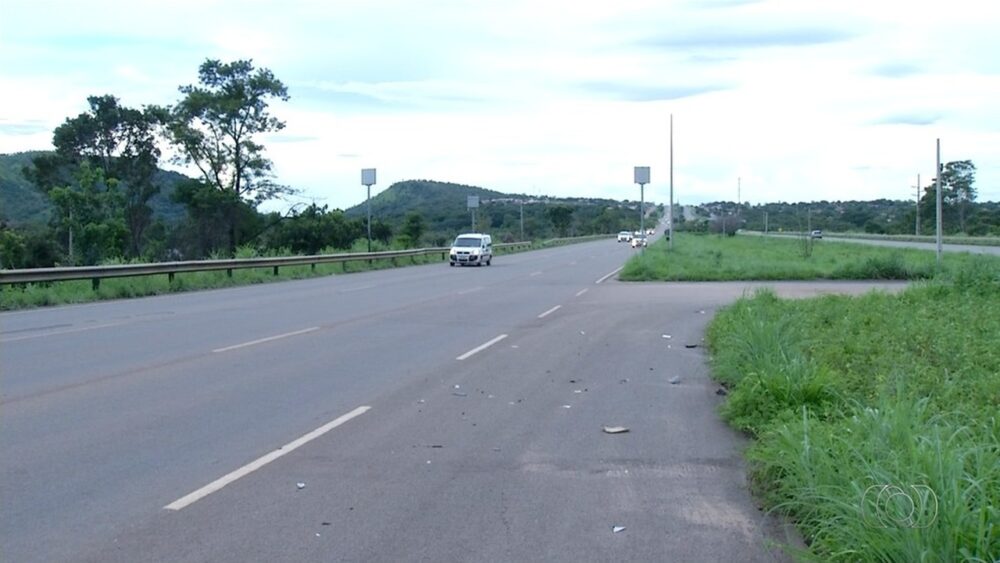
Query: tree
[[413, 228], [214, 127], [561, 217], [118, 140], [957, 181]]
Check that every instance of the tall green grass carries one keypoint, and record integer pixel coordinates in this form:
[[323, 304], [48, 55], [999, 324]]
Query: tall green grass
[[876, 418], [716, 258]]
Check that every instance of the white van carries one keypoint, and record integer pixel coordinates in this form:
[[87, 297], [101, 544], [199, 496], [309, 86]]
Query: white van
[[472, 248]]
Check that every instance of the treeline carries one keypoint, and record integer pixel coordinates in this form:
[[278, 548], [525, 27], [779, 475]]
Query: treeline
[[961, 213], [107, 200]]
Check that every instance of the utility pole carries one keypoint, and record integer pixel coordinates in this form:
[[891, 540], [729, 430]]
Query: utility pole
[[916, 226], [522, 221], [765, 222], [938, 187], [670, 222]]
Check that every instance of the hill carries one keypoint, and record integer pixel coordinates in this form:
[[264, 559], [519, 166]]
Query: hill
[[443, 207], [22, 204]]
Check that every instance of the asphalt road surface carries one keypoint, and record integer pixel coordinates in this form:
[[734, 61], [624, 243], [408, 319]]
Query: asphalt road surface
[[970, 248], [423, 414]]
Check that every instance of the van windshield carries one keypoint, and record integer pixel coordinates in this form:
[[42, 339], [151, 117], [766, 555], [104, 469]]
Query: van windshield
[[467, 241]]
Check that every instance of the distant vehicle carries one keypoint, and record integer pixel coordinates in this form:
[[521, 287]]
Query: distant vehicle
[[471, 249], [816, 234], [638, 241], [650, 231], [624, 236]]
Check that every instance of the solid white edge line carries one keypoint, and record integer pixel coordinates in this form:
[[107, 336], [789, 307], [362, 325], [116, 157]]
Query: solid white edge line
[[262, 461], [581, 292], [481, 347], [550, 311], [609, 275], [263, 340]]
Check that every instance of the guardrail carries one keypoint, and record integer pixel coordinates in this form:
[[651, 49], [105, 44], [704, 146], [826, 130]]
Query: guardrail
[[97, 273]]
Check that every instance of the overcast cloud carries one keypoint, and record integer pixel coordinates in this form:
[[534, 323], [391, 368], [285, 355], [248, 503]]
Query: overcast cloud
[[802, 99]]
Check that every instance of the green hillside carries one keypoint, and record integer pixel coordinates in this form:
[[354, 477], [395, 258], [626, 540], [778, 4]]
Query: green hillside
[[22, 204], [443, 207]]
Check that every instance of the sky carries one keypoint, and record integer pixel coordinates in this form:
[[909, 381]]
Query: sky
[[771, 100]]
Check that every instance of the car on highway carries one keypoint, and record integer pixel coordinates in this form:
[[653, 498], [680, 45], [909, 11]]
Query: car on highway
[[816, 234], [624, 236], [472, 249], [639, 241]]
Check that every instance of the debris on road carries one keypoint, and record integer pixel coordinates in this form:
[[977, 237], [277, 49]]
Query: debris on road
[[420, 402], [578, 391], [460, 394], [615, 429], [690, 345], [567, 406], [667, 336], [616, 529], [624, 380], [326, 524], [431, 446], [457, 386], [584, 333], [675, 380], [572, 381], [721, 391], [300, 486]]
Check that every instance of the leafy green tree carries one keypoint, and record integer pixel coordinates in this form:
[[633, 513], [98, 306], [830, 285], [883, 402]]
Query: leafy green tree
[[958, 179], [118, 140], [561, 217], [89, 216], [12, 248], [215, 125], [413, 228]]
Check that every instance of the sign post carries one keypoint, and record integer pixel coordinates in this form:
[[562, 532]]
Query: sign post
[[472, 202], [641, 175], [368, 179]]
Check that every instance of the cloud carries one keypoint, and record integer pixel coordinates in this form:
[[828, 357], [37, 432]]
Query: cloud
[[745, 38], [913, 118], [279, 138], [22, 128], [896, 70], [637, 93]]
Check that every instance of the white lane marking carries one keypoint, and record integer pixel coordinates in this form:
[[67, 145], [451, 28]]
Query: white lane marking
[[58, 332], [550, 311], [581, 292], [468, 291], [264, 460], [609, 275], [481, 347], [263, 340], [533, 274]]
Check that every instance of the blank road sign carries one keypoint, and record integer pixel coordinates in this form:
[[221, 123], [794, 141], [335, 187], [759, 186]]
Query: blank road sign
[[473, 201], [641, 174], [367, 176]]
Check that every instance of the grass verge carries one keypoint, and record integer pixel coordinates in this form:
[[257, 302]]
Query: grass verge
[[716, 258], [875, 418]]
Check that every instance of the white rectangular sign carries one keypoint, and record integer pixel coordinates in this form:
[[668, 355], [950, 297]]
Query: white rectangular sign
[[367, 176], [641, 174], [473, 201]]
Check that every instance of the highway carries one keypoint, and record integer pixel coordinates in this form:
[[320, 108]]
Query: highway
[[425, 413], [970, 248]]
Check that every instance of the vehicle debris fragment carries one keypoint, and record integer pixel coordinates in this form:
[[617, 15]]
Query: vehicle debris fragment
[[615, 429], [616, 529]]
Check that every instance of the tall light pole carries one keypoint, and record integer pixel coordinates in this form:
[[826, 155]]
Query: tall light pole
[[670, 223], [916, 226], [937, 182], [368, 179]]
